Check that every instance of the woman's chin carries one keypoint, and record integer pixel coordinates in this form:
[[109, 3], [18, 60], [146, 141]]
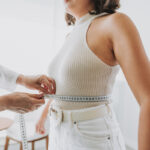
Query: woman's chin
[[66, 8], [67, 11], [66, 1]]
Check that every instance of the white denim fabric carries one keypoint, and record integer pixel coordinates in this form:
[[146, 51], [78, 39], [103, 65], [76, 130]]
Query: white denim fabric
[[102, 133]]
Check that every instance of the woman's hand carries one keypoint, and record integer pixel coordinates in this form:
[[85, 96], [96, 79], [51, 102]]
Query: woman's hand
[[42, 83], [40, 126], [22, 102]]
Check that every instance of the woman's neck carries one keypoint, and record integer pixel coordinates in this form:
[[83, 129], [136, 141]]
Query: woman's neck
[[81, 12]]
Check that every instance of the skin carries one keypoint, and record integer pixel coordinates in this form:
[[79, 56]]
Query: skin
[[115, 40], [41, 83], [25, 102], [40, 124]]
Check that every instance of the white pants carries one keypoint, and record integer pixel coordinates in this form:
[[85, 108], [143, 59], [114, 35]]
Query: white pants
[[102, 133]]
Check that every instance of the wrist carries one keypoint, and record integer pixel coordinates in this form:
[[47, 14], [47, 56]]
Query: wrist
[[21, 80], [4, 102], [42, 119]]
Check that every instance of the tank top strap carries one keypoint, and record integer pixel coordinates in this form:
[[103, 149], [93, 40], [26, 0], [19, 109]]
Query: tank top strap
[[84, 39], [90, 20], [93, 17], [98, 15], [88, 23]]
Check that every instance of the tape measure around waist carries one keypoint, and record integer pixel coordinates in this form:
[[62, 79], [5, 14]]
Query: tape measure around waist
[[63, 98], [80, 98]]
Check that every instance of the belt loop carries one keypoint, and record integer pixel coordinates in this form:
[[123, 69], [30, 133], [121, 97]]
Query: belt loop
[[59, 117], [58, 114], [109, 109], [70, 118], [49, 110]]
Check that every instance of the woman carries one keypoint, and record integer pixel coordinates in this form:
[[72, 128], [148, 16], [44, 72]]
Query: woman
[[102, 42]]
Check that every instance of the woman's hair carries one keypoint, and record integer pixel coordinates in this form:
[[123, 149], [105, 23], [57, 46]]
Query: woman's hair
[[100, 6]]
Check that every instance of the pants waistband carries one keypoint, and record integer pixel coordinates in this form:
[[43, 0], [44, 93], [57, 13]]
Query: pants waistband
[[80, 114]]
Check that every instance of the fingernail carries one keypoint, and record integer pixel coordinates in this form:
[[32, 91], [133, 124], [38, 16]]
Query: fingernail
[[45, 87], [42, 85], [52, 86]]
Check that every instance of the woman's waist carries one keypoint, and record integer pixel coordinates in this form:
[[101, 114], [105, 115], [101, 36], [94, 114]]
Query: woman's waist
[[79, 98], [78, 102], [73, 105]]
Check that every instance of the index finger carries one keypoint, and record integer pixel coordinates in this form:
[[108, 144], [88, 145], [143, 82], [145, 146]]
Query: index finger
[[53, 83], [37, 96], [38, 101]]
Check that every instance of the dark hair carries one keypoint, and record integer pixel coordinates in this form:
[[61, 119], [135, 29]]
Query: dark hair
[[100, 6]]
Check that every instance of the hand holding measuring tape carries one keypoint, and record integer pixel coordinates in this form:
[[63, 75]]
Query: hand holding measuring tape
[[42, 83]]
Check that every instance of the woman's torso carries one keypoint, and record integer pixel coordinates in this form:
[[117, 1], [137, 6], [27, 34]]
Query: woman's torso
[[77, 71]]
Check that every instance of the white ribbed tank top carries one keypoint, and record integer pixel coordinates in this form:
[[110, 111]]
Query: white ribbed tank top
[[76, 70]]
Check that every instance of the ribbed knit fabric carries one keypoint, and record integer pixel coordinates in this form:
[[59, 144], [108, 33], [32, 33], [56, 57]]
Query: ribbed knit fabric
[[76, 70]]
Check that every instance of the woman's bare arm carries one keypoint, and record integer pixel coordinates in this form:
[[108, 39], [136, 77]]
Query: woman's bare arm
[[41, 122], [131, 56]]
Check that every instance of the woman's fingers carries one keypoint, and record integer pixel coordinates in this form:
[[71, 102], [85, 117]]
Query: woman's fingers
[[21, 110], [53, 84], [48, 84], [37, 99], [24, 102], [38, 102], [37, 96], [40, 129], [41, 83], [42, 89], [44, 83]]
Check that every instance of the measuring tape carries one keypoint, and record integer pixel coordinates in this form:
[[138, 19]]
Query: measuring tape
[[23, 132], [64, 98], [80, 98]]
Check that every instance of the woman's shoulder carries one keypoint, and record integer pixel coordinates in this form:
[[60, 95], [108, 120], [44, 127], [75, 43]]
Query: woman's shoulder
[[119, 17], [116, 21]]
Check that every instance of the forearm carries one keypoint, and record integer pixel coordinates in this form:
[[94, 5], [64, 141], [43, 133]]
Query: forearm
[[23, 80], [2, 103], [144, 126], [20, 79], [46, 110]]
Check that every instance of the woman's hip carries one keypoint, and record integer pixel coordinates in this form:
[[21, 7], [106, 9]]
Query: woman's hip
[[89, 128]]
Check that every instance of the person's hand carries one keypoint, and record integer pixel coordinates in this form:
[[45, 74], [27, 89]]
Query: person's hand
[[42, 83], [40, 126], [23, 102]]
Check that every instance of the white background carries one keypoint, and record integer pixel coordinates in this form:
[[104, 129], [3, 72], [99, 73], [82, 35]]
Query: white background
[[32, 31]]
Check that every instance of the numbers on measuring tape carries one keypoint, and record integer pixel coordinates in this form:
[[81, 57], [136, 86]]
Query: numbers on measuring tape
[[23, 132], [106, 98]]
